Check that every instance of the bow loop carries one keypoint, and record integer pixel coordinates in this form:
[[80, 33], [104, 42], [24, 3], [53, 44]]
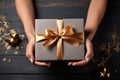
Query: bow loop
[[67, 30], [50, 33]]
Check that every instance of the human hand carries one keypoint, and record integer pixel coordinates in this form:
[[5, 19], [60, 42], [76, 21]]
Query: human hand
[[30, 54], [88, 56]]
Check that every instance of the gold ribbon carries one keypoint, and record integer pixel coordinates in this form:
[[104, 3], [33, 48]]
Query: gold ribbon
[[63, 33]]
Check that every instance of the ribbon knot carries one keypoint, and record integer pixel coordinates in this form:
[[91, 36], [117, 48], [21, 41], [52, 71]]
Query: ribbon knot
[[62, 33]]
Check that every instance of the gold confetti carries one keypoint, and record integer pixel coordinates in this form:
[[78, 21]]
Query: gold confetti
[[22, 36], [4, 59], [21, 47], [17, 47], [6, 44], [3, 29], [8, 47], [13, 39], [12, 31], [16, 52], [104, 73], [0, 29], [11, 36], [6, 52], [9, 60], [105, 70], [0, 39], [108, 75]]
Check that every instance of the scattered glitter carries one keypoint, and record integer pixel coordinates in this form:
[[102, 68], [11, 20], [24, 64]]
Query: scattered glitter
[[2, 29], [9, 38], [17, 47], [104, 73], [21, 47], [13, 39], [108, 75], [0, 39], [6, 52], [8, 47], [9, 60], [12, 31], [16, 52], [4, 59], [6, 44]]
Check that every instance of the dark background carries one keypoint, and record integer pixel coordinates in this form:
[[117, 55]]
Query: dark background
[[106, 43]]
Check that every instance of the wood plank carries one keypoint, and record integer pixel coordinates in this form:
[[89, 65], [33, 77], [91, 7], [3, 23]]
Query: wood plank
[[46, 77], [60, 12], [54, 12], [20, 64], [13, 51]]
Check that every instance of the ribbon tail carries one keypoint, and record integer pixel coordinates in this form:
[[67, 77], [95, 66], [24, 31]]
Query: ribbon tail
[[59, 49]]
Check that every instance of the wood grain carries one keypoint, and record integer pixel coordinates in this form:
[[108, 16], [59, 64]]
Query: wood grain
[[20, 67]]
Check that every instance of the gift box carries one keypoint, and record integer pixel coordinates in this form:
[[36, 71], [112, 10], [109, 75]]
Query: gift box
[[59, 39]]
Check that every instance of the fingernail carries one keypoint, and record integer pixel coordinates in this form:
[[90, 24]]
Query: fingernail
[[70, 63], [31, 60]]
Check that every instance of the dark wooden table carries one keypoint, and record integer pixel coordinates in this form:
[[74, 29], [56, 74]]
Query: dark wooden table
[[18, 67]]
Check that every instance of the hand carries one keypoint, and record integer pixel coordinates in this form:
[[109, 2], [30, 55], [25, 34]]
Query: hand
[[88, 56], [30, 54]]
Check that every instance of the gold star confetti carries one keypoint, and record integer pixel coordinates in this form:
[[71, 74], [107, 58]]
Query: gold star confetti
[[104, 73]]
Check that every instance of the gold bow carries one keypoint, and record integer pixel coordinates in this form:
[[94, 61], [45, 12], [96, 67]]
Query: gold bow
[[63, 33]]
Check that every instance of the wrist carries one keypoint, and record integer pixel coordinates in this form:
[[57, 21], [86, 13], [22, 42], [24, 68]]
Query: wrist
[[31, 38], [88, 40], [89, 34]]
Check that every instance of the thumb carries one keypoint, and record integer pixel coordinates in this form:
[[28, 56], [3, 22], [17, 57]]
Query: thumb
[[89, 52]]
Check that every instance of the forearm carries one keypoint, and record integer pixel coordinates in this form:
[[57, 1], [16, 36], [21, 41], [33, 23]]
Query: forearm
[[95, 14], [26, 13]]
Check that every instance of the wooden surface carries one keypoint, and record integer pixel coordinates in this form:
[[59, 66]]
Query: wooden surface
[[20, 67]]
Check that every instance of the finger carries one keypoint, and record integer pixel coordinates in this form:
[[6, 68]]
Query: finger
[[42, 63], [70, 63], [29, 53], [87, 59], [79, 63], [89, 53], [88, 56]]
